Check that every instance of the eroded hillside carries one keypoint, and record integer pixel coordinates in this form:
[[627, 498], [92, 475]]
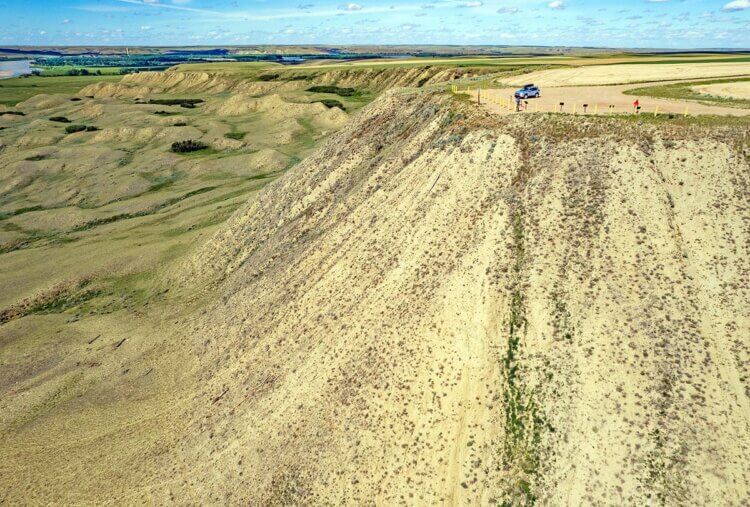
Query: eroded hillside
[[441, 306]]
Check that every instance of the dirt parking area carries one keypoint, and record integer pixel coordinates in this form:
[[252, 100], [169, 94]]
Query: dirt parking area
[[595, 100]]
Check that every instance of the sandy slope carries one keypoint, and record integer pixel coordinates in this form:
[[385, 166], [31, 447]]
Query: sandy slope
[[444, 306], [429, 313]]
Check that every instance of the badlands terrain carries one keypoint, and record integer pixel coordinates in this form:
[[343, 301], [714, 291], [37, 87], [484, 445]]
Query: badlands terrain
[[369, 289]]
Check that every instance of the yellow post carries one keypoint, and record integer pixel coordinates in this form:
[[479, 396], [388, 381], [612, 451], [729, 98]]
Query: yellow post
[[554, 109], [656, 111], [596, 109], [686, 111]]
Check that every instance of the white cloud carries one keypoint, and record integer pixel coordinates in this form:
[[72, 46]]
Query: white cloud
[[507, 10], [66, 21], [736, 5], [472, 4], [556, 4], [350, 7]]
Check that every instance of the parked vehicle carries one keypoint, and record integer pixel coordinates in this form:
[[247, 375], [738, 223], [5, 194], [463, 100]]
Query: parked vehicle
[[529, 91]]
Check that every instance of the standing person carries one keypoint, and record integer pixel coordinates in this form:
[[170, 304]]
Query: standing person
[[518, 104], [636, 105]]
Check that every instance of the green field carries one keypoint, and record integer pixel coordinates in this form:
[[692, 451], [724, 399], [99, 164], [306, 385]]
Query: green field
[[62, 70], [15, 90]]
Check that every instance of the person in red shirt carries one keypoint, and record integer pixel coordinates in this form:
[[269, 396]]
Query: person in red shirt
[[636, 105]]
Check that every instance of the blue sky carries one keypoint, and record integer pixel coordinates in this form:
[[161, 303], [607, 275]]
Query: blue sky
[[613, 23]]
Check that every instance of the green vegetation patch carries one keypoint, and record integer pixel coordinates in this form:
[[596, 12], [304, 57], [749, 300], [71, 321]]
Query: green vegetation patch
[[268, 77], [126, 216], [684, 91], [59, 119], [72, 129], [175, 102], [237, 136], [37, 158], [18, 89], [12, 113], [523, 420], [59, 298], [343, 92], [329, 103], [20, 211]]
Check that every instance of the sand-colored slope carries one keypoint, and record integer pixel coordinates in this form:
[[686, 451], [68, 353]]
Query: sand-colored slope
[[428, 313], [181, 80], [383, 78]]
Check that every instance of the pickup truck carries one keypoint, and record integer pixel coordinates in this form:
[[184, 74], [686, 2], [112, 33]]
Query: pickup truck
[[529, 91]]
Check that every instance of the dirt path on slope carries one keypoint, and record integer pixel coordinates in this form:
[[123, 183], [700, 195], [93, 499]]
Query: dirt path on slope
[[599, 100]]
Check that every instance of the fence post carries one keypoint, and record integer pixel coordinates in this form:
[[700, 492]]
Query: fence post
[[596, 109], [656, 111]]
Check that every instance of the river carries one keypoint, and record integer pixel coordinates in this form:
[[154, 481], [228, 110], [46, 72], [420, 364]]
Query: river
[[14, 68]]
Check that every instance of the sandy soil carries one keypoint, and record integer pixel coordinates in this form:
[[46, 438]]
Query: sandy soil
[[739, 90], [609, 99], [630, 73]]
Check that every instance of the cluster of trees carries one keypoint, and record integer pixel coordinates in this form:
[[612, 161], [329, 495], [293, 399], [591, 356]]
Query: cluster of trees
[[188, 146], [72, 129], [84, 72], [343, 92]]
